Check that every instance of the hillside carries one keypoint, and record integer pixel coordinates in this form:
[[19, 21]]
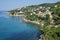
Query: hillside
[[37, 6], [46, 15]]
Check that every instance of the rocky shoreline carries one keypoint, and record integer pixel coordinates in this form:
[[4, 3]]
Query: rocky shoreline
[[33, 22], [15, 15], [27, 21]]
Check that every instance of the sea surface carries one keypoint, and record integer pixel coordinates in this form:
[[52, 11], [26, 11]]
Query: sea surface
[[13, 28]]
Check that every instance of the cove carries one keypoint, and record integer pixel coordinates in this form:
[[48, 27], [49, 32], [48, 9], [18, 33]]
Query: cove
[[13, 28]]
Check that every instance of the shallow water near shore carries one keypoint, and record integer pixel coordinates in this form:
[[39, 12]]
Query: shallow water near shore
[[13, 28]]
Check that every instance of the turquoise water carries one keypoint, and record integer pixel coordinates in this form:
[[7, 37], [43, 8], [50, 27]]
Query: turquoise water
[[13, 28]]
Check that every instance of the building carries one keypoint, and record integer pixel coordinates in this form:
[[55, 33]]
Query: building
[[20, 13], [41, 14]]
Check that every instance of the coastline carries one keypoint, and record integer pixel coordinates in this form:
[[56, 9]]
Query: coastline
[[15, 15], [46, 17], [27, 21], [33, 22]]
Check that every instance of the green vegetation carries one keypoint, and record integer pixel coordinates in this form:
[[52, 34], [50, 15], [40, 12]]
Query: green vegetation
[[50, 33], [48, 15], [56, 14]]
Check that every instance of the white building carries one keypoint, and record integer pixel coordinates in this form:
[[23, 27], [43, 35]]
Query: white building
[[31, 14], [20, 12], [55, 5], [41, 7]]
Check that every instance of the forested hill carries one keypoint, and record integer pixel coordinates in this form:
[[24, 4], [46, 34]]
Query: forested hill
[[36, 6], [44, 4], [50, 4]]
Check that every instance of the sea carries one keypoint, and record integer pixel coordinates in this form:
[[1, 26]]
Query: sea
[[14, 28]]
